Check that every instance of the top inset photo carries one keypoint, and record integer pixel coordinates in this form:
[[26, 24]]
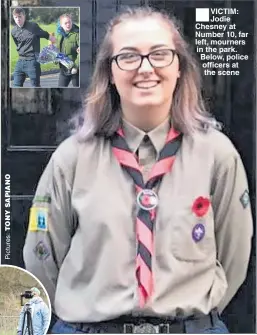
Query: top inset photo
[[44, 47]]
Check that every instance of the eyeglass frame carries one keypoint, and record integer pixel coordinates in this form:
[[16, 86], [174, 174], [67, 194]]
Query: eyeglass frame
[[115, 58]]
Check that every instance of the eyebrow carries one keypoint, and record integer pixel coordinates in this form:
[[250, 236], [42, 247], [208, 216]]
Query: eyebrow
[[152, 48]]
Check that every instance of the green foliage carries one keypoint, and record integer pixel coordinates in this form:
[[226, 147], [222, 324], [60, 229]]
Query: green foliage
[[50, 15]]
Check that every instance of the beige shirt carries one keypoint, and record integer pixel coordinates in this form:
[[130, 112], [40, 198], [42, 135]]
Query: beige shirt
[[84, 252]]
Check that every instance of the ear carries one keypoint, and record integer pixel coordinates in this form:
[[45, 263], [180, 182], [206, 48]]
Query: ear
[[178, 74]]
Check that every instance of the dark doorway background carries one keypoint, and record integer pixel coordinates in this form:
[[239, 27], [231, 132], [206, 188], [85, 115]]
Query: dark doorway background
[[34, 121]]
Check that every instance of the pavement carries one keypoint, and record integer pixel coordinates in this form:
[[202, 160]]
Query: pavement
[[49, 80]]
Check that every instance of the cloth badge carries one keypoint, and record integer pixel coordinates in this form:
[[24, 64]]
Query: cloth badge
[[41, 251], [38, 219], [198, 232], [245, 199], [42, 198]]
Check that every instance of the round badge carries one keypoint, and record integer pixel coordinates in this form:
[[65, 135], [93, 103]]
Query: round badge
[[198, 232], [147, 199]]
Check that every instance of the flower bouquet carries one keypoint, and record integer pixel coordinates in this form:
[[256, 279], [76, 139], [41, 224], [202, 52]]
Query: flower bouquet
[[51, 54]]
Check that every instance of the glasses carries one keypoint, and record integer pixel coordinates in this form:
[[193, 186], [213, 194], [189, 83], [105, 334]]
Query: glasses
[[130, 61]]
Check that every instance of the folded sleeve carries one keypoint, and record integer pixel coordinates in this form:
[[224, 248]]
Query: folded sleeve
[[233, 222], [51, 226]]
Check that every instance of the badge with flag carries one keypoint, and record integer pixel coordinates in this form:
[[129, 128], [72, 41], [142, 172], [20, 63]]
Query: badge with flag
[[38, 219]]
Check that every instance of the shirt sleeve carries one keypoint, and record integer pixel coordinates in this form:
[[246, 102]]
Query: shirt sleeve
[[41, 33], [233, 223], [50, 227], [14, 39], [46, 317]]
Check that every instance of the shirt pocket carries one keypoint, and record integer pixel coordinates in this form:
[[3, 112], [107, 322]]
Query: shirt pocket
[[193, 237]]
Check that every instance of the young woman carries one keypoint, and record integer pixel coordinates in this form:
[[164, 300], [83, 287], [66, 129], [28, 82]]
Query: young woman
[[141, 221]]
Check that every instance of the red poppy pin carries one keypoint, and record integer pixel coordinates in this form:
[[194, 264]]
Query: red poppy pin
[[200, 206]]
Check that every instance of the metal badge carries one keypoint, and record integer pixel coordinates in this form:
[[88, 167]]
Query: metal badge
[[198, 232], [245, 199], [146, 328], [147, 199]]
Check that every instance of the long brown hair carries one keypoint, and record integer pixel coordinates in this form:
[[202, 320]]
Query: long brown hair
[[102, 112]]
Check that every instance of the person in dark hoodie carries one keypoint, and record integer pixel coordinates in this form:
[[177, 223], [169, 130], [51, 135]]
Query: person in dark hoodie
[[40, 315], [67, 35], [26, 36]]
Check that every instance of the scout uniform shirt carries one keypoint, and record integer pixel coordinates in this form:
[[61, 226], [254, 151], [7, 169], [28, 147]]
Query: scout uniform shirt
[[81, 241]]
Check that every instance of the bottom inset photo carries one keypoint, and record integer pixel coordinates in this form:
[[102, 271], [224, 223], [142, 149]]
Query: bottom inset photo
[[25, 307]]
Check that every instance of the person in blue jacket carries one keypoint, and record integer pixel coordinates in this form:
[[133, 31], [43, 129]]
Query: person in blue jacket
[[40, 315]]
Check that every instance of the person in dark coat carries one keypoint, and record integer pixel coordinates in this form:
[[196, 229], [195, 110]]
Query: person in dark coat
[[26, 36]]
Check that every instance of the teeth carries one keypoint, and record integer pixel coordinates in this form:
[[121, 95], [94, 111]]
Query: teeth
[[146, 84]]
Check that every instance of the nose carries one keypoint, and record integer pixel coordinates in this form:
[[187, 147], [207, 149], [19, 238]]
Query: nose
[[145, 66]]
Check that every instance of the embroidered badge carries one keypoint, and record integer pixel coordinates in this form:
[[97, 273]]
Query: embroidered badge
[[43, 199], [41, 251], [198, 232], [38, 219], [245, 198], [200, 206]]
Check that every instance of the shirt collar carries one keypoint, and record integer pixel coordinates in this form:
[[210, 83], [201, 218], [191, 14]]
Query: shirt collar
[[24, 24], [134, 136]]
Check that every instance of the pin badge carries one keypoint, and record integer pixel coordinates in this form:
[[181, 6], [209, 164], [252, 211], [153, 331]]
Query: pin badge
[[200, 206], [147, 199], [245, 199], [198, 232]]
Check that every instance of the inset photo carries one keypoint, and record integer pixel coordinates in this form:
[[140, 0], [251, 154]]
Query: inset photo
[[44, 47], [25, 307]]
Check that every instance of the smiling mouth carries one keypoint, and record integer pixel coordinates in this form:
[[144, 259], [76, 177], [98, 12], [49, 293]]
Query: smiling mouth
[[147, 85]]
